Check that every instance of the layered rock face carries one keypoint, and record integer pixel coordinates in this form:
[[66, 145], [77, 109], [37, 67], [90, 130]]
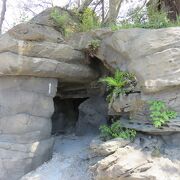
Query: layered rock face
[[153, 56], [92, 114], [148, 158], [25, 124], [33, 57]]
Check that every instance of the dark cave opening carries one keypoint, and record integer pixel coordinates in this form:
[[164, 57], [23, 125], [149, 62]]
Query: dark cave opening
[[65, 115]]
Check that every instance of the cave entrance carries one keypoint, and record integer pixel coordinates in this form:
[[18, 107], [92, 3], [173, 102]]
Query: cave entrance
[[65, 115], [70, 95]]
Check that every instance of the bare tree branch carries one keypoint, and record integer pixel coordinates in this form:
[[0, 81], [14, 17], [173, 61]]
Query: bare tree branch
[[84, 5], [114, 6], [3, 12]]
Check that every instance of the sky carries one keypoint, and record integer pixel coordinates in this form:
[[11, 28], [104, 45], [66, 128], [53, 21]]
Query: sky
[[15, 15]]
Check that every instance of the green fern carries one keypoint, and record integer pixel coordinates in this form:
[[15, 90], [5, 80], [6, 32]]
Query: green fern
[[121, 83], [160, 114], [116, 131]]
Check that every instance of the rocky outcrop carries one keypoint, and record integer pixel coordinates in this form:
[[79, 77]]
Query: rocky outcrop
[[92, 114], [25, 124], [37, 48], [147, 158], [100, 148], [33, 58], [153, 56]]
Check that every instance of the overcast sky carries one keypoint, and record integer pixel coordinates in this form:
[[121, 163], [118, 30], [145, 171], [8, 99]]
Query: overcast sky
[[15, 14]]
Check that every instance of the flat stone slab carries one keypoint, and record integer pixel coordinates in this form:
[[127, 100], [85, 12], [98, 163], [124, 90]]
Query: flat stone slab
[[145, 126]]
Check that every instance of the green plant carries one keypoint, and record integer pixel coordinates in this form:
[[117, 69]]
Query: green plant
[[153, 19], [160, 114], [122, 83], [116, 131], [60, 19], [89, 20], [157, 19], [93, 47]]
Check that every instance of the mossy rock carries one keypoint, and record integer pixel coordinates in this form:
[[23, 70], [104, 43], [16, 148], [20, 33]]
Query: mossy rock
[[62, 20]]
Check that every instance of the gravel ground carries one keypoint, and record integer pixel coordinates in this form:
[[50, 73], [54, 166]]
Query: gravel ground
[[69, 162]]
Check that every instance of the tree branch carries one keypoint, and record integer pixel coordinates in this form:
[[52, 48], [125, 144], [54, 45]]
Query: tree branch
[[3, 12]]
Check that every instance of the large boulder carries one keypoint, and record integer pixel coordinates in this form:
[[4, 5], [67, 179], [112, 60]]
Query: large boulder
[[13, 64], [146, 159], [33, 57], [153, 56], [92, 114], [38, 48], [25, 124]]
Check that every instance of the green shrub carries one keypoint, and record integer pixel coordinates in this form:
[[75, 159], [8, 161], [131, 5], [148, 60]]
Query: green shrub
[[61, 20], [160, 114], [116, 131], [122, 83], [89, 20], [153, 20], [157, 19]]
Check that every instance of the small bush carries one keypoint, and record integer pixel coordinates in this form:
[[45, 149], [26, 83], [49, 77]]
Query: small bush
[[160, 114], [89, 20], [154, 19], [122, 83], [60, 19], [116, 131]]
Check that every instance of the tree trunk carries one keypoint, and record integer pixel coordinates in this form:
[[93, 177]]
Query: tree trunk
[[114, 6], [3, 12], [173, 8], [103, 16], [84, 5]]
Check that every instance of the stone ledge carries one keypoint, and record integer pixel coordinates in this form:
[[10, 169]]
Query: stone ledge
[[146, 126]]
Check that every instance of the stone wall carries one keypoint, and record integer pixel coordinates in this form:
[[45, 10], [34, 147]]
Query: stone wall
[[26, 106]]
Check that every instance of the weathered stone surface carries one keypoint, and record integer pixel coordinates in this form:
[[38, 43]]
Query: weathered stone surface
[[151, 54], [16, 102], [25, 125], [18, 65], [45, 19], [137, 109], [45, 49], [172, 140], [100, 148], [146, 126], [35, 32], [142, 159], [29, 84], [37, 48], [18, 159], [129, 103], [82, 40], [92, 114]]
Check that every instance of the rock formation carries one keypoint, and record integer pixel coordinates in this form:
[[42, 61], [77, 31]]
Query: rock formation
[[92, 114], [33, 58], [25, 124], [147, 158], [38, 63], [153, 56]]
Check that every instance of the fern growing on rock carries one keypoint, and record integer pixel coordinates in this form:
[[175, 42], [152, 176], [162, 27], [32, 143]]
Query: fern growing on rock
[[160, 114], [116, 131], [122, 83]]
